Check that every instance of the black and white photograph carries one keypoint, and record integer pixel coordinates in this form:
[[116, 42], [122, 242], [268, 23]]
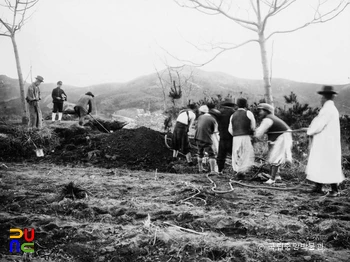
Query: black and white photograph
[[174, 130]]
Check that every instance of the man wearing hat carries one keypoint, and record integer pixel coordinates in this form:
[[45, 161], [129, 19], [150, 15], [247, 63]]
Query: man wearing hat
[[279, 139], [33, 97], [58, 97], [241, 126], [207, 126], [324, 164], [84, 106], [184, 123], [227, 108]]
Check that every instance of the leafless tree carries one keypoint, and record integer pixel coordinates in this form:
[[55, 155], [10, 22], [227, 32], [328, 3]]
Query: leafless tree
[[18, 14], [163, 86], [255, 16], [183, 81]]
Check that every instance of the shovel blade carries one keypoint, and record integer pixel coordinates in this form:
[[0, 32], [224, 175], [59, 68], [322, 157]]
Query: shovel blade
[[39, 152]]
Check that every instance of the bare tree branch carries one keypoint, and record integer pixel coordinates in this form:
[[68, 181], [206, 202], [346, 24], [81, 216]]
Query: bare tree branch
[[275, 10], [317, 19], [8, 27], [263, 11], [222, 50], [211, 7]]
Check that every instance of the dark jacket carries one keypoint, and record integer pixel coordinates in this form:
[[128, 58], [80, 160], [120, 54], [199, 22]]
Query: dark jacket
[[58, 92], [241, 124], [205, 128], [224, 121], [278, 125]]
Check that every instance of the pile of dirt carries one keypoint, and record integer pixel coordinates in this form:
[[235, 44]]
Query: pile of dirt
[[68, 143], [141, 148]]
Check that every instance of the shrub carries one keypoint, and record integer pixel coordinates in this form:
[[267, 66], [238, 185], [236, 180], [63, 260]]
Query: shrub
[[18, 141]]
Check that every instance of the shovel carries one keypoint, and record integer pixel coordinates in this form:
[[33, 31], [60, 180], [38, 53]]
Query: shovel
[[38, 151], [99, 123]]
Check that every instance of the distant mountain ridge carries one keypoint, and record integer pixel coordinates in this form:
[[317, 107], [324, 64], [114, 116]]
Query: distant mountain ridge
[[145, 92]]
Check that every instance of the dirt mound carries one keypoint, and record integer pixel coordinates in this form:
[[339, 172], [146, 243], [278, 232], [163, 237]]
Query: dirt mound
[[141, 148], [70, 144]]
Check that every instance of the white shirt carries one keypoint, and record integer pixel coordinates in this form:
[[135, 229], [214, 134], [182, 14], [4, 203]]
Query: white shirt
[[264, 126], [182, 118]]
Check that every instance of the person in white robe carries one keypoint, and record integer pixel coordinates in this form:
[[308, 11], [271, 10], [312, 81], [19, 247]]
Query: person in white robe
[[324, 163], [241, 126]]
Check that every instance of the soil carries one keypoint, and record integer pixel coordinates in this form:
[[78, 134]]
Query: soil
[[120, 197]]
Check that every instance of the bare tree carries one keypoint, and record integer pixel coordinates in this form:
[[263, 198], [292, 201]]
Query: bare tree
[[163, 87], [175, 93], [180, 76], [254, 16], [185, 80], [9, 27]]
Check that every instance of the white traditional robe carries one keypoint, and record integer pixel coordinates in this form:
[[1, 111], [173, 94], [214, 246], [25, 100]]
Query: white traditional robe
[[242, 148], [324, 165]]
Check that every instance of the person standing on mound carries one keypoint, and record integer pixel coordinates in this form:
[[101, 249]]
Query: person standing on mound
[[58, 97]]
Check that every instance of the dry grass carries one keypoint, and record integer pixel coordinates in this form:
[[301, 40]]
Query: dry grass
[[20, 141]]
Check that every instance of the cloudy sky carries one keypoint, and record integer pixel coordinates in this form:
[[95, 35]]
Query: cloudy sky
[[85, 42]]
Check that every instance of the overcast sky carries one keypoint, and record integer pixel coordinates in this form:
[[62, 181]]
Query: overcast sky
[[85, 42]]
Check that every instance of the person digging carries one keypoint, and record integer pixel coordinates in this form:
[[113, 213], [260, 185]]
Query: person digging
[[184, 123], [84, 106]]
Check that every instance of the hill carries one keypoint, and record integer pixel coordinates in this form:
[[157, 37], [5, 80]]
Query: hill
[[146, 92]]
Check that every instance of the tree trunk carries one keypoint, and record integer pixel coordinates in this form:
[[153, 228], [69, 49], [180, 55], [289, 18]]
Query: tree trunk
[[20, 79], [164, 99], [266, 69]]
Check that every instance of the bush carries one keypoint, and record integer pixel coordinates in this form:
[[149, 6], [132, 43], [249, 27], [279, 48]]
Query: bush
[[18, 141]]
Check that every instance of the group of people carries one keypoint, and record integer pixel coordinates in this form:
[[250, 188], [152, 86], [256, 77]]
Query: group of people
[[230, 130], [83, 107]]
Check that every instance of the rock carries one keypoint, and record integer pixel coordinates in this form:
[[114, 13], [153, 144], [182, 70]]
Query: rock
[[93, 153], [118, 212], [110, 249], [284, 212], [307, 258]]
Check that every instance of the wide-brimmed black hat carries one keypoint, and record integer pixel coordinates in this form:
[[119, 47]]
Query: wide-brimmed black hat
[[327, 90], [228, 102], [89, 94]]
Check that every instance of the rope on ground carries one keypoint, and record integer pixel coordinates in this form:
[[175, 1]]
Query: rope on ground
[[214, 186], [184, 201], [231, 181], [268, 187]]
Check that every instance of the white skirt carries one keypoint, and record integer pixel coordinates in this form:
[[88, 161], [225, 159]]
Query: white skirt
[[281, 151], [242, 153]]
